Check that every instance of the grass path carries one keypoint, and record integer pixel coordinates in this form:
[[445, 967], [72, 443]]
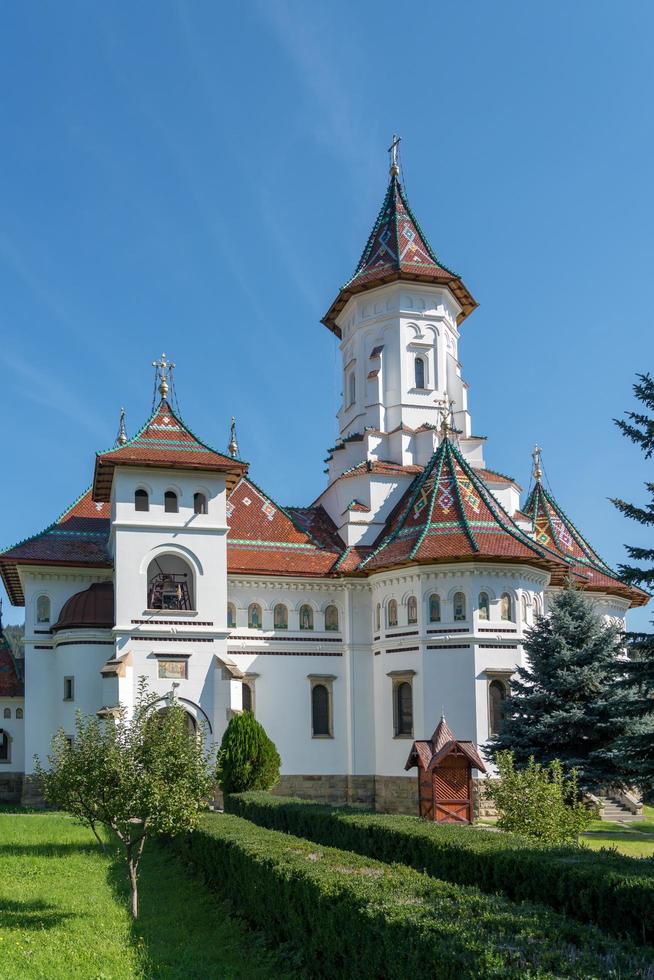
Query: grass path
[[64, 913], [633, 839]]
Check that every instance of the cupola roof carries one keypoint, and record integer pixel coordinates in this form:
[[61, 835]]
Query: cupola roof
[[397, 249], [92, 608], [164, 442]]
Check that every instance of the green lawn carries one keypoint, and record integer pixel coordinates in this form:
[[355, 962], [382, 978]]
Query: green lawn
[[63, 913], [633, 839]]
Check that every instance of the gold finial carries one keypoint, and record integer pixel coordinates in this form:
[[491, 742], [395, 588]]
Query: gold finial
[[121, 438], [394, 168], [163, 371], [446, 412], [232, 448], [537, 470]]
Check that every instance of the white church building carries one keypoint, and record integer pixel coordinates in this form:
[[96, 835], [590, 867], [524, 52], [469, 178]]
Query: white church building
[[346, 626]]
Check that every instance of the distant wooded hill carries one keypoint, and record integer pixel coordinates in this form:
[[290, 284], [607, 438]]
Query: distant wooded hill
[[16, 637]]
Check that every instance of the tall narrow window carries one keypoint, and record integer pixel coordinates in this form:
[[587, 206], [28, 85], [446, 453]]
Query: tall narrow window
[[4, 747], [141, 500], [351, 388], [19, 713], [171, 505], [280, 617], [525, 609], [231, 616], [434, 608], [331, 618], [506, 607], [459, 605], [69, 688], [378, 616], [420, 372], [496, 697], [412, 610], [254, 616], [247, 697], [43, 609], [7, 713], [320, 713], [403, 709], [199, 503], [536, 607], [391, 613], [484, 606], [306, 617]]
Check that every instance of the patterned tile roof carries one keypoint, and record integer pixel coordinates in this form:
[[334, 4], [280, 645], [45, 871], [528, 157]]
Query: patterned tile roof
[[12, 684], [554, 529], [163, 442], [448, 513], [397, 249], [78, 537]]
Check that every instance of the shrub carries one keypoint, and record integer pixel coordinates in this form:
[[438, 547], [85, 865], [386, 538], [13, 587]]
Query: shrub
[[538, 801], [604, 888], [353, 917], [247, 758]]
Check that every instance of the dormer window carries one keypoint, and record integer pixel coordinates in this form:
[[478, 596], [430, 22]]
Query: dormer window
[[171, 504], [200, 503], [141, 500], [419, 368]]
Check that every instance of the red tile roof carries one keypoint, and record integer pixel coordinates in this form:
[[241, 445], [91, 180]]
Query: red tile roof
[[164, 442], [448, 513], [554, 529], [12, 684], [397, 249], [428, 753], [77, 538]]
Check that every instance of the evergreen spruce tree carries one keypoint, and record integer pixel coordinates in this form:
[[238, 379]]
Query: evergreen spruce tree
[[637, 748], [247, 758], [564, 705]]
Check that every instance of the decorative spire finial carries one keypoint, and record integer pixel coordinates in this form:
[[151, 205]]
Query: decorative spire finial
[[394, 168], [163, 373], [121, 438], [446, 411], [538, 470], [232, 448]]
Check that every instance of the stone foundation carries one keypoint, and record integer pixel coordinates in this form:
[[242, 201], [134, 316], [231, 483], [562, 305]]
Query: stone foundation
[[11, 787], [31, 794], [483, 807], [396, 794]]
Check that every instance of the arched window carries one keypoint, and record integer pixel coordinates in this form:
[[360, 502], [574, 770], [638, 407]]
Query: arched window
[[496, 696], [391, 613], [419, 367], [280, 616], [506, 607], [320, 713], [171, 505], [525, 609], [4, 747], [247, 697], [306, 617], [231, 616], [403, 709], [254, 616], [331, 618], [200, 503], [19, 713], [459, 605], [43, 609], [351, 388], [536, 607], [434, 608], [378, 616], [412, 610], [170, 584], [484, 606], [7, 713], [141, 500]]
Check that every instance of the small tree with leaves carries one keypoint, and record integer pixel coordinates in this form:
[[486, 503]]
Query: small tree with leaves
[[135, 775], [637, 747], [247, 758], [564, 704]]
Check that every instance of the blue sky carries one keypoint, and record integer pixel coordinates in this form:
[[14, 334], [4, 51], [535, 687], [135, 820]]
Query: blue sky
[[200, 178]]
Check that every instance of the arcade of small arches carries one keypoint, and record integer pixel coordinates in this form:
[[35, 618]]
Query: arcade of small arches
[[308, 618], [170, 501], [456, 609]]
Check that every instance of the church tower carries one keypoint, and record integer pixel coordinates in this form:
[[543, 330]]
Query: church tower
[[398, 320]]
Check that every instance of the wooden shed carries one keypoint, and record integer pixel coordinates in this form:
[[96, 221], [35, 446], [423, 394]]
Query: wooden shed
[[445, 767]]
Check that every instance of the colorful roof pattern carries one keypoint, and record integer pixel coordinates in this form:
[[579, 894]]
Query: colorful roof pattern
[[554, 529], [448, 513], [78, 538], [267, 539], [12, 684], [163, 442], [397, 249], [429, 752]]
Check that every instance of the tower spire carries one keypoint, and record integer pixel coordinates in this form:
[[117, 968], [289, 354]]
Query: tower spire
[[232, 448], [537, 471], [121, 438], [163, 372], [394, 169]]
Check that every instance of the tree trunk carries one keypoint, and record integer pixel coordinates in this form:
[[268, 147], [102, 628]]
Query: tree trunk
[[133, 888]]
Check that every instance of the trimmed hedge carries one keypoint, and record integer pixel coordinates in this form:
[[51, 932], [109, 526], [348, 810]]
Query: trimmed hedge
[[354, 917], [603, 888]]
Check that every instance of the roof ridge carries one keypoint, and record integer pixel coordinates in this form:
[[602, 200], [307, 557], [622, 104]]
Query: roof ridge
[[426, 243], [298, 527], [51, 526], [581, 540]]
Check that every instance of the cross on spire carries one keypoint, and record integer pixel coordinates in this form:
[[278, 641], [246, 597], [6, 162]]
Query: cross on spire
[[163, 370], [445, 407], [394, 168], [232, 448], [538, 469]]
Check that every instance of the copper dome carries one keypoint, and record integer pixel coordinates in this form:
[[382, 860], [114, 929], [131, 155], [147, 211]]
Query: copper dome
[[94, 607]]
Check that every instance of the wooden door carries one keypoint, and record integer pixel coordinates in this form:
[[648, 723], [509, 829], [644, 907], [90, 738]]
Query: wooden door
[[451, 781]]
